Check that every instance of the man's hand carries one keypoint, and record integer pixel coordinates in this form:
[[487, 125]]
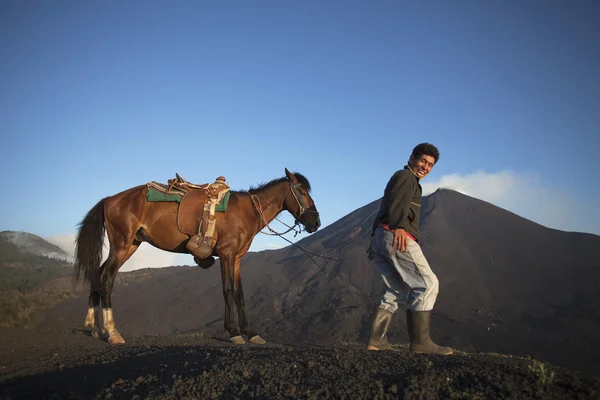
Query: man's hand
[[400, 240]]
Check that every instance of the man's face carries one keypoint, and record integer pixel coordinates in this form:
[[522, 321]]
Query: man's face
[[421, 165]]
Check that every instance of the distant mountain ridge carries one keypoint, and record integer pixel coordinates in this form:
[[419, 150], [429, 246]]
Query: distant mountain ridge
[[29, 243]]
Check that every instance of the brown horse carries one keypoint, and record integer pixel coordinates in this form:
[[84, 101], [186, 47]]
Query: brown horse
[[129, 219]]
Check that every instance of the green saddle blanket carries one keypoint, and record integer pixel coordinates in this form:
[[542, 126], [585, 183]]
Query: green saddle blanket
[[155, 195]]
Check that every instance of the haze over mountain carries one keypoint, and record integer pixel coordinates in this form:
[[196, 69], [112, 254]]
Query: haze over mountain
[[507, 285], [30, 243]]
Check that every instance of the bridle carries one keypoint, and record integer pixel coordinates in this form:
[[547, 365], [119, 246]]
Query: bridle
[[303, 209], [301, 206], [300, 200]]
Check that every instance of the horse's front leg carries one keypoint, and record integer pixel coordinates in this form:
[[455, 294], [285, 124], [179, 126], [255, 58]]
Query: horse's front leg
[[241, 307], [227, 269]]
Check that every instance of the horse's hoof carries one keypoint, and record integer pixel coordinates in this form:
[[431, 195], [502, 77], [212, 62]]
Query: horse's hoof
[[238, 340], [95, 334], [257, 340], [116, 339]]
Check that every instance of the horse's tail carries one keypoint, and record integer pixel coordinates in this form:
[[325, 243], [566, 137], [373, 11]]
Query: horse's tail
[[89, 245]]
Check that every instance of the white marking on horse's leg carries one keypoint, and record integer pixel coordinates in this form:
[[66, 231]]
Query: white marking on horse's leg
[[90, 318], [105, 320], [114, 337], [92, 321]]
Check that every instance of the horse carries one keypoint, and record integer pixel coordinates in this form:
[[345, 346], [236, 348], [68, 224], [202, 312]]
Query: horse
[[128, 219]]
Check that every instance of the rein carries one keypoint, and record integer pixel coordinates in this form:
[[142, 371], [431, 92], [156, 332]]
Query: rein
[[257, 207], [256, 202]]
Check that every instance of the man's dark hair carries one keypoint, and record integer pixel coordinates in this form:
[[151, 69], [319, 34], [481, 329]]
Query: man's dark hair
[[426, 149]]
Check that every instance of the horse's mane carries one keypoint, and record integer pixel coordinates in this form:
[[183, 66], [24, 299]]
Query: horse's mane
[[301, 179]]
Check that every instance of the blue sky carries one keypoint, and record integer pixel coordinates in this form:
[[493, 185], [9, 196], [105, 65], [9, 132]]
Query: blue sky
[[100, 96]]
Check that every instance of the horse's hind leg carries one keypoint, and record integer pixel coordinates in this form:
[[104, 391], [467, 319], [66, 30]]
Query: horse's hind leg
[[92, 320], [115, 260]]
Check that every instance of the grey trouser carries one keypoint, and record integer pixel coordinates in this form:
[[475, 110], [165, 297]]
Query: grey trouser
[[409, 281]]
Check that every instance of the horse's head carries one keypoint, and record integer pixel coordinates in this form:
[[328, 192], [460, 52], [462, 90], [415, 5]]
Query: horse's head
[[299, 203]]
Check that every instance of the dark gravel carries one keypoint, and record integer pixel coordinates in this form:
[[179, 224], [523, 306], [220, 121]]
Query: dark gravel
[[69, 364]]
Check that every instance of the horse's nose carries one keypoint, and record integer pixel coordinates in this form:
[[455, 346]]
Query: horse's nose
[[318, 222]]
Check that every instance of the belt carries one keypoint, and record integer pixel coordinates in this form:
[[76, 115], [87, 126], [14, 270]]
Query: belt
[[387, 228]]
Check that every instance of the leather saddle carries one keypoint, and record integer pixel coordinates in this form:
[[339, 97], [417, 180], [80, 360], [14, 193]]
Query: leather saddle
[[196, 212]]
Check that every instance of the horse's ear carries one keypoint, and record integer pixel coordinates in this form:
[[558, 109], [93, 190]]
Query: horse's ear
[[291, 177]]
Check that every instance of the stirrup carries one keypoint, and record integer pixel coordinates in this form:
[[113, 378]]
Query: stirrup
[[205, 263]]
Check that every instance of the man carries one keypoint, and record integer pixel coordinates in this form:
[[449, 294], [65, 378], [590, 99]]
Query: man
[[409, 281]]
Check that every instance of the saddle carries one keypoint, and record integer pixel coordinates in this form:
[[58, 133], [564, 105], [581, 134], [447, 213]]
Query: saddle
[[196, 214]]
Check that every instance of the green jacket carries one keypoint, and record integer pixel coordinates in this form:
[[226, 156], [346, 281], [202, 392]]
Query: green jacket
[[401, 204]]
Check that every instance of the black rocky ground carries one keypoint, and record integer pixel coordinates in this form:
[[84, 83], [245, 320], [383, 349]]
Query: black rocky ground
[[63, 363]]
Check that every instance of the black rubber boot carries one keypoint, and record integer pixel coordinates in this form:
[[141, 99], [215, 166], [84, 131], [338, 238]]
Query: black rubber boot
[[418, 330], [380, 324]]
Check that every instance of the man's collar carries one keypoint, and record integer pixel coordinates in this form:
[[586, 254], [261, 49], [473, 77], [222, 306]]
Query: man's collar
[[413, 172]]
